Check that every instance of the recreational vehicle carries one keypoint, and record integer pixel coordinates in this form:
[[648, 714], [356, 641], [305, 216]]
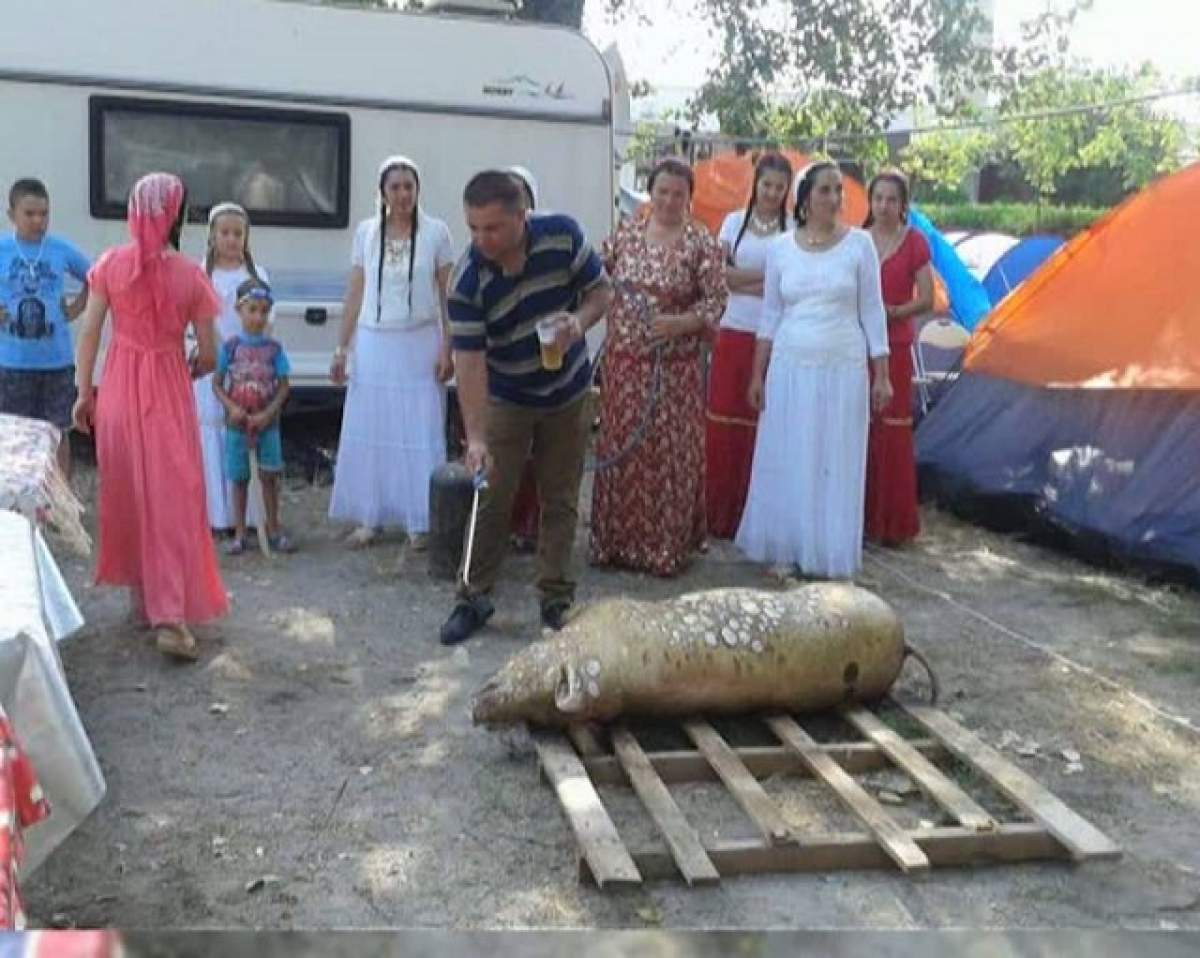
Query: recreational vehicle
[[287, 108]]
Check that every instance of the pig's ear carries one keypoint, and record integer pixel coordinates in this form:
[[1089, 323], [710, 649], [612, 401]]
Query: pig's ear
[[569, 694]]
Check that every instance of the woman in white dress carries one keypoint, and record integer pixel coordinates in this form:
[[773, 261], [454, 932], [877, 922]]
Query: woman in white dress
[[228, 263], [822, 318], [393, 434]]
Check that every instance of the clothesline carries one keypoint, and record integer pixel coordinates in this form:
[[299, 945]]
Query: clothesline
[[837, 135]]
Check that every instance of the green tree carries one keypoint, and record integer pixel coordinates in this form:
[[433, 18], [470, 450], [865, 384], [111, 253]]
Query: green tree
[[1128, 136], [938, 163]]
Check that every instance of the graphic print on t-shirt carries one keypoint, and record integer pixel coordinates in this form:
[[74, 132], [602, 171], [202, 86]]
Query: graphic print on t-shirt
[[26, 288], [252, 373]]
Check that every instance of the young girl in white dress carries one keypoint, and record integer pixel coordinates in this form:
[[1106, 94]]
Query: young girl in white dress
[[228, 263], [822, 318], [393, 432]]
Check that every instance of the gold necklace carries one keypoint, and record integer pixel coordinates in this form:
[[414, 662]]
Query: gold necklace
[[812, 240]]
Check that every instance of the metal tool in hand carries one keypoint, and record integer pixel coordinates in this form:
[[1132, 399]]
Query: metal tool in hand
[[479, 483], [645, 306]]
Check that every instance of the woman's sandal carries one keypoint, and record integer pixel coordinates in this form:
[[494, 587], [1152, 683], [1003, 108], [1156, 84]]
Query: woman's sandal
[[235, 546], [177, 641], [361, 537], [281, 543]]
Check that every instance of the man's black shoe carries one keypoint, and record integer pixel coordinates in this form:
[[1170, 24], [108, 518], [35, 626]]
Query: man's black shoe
[[467, 618], [555, 613]]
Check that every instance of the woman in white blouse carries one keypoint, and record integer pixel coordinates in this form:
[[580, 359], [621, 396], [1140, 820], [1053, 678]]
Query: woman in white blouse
[[395, 313], [822, 318]]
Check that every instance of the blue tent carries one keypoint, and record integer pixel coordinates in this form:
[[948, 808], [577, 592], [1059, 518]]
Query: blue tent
[[1010, 270], [968, 299]]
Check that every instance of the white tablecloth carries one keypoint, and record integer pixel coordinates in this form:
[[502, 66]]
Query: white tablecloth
[[36, 612]]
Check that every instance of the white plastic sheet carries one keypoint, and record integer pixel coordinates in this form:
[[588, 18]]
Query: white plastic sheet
[[36, 612]]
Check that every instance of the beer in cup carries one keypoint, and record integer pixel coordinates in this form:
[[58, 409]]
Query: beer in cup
[[552, 357]]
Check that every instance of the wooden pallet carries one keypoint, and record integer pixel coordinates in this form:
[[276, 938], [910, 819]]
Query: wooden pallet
[[576, 762]]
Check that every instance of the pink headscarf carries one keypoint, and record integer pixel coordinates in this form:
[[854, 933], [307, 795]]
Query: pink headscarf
[[154, 204]]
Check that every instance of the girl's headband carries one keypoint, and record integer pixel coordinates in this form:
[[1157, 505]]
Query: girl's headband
[[222, 208]]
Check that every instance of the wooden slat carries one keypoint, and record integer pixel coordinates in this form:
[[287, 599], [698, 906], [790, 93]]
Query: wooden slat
[[742, 785], [1013, 842], [929, 779], [1081, 839], [586, 741], [681, 766], [606, 855], [681, 838], [898, 845]]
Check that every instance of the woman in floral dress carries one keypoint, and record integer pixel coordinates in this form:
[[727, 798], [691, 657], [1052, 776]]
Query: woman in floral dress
[[648, 501]]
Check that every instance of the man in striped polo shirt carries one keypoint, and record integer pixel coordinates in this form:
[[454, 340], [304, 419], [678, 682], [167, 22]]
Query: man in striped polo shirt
[[517, 273]]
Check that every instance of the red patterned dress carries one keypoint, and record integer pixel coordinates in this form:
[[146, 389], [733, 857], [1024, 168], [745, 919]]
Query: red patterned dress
[[648, 509], [891, 510], [21, 805]]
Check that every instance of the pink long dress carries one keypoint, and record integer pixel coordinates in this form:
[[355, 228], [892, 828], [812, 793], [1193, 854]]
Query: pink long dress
[[154, 532]]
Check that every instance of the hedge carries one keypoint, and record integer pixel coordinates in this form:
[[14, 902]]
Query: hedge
[[1017, 219]]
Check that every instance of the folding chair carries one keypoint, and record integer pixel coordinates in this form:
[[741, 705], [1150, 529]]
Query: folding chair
[[939, 334]]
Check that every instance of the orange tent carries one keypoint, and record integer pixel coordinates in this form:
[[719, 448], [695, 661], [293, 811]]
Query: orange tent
[[723, 185], [1080, 393], [1117, 307]]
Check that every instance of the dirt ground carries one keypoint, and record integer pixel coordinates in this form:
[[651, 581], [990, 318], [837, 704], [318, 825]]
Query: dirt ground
[[323, 745]]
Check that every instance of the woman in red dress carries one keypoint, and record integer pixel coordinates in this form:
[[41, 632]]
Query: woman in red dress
[[648, 507], [729, 437], [907, 279]]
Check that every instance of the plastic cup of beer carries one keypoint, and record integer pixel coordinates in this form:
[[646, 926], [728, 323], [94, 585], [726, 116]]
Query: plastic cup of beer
[[552, 357]]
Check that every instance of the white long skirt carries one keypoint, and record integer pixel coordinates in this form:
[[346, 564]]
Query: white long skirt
[[805, 503], [217, 487], [393, 434]]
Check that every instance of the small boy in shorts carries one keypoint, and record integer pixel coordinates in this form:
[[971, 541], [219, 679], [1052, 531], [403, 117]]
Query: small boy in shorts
[[37, 359], [251, 382]]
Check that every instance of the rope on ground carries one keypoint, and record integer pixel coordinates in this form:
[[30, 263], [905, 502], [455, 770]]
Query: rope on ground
[[1179, 720]]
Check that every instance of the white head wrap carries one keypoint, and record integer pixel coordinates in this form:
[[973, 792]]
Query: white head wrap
[[393, 161], [528, 179], [397, 159]]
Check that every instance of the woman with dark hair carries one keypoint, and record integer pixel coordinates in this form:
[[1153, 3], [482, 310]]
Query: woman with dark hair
[[395, 312], [154, 534], [907, 279], [822, 317], [648, 500], [729, 437]]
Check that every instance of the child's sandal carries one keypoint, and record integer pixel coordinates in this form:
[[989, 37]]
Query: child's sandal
[[235, 546], [280, 543]]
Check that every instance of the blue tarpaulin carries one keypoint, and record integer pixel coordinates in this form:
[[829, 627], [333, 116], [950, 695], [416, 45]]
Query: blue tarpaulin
[[968, 299]]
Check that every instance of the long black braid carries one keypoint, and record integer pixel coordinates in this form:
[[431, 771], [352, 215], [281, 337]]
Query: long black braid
[[778, 163], [412, 239]]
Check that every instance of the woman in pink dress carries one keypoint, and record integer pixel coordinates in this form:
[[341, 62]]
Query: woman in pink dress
[[153, 526]]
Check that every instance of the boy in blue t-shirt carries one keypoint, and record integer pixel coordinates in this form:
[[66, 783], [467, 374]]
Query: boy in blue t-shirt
[[252, 384], [37, 371]]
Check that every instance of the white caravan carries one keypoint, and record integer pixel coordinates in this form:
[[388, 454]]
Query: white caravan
[[288, 108]]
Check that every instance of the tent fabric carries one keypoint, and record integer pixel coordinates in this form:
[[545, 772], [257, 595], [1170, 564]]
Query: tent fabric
[[1116, 467], [968, 299], [1118, 307], [723, 185], [1012, 269], [980, 251]]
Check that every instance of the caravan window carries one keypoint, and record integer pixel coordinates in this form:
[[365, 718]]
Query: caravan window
[[286, 167]]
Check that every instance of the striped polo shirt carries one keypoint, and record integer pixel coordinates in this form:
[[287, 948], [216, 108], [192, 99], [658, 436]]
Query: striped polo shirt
[[497, 313]]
